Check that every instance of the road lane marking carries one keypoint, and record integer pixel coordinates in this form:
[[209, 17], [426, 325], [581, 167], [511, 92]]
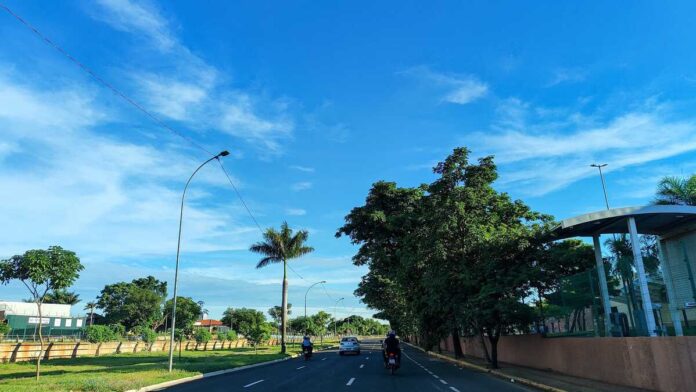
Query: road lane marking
[[362, 366], [324, 359], [252, 384], [367, 357], [454, 389], [301, 367], [350, 382], [443, 381], [436, 376]]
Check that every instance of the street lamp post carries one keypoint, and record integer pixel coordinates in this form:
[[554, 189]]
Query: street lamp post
[[601, 176], [336, 314], [178, 248], [305, 297]]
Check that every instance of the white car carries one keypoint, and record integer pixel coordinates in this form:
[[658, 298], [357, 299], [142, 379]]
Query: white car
[[349, 344]]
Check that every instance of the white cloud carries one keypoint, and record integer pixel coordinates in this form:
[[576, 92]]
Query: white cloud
[[295, 211], [460, 89], [195, 92], [543, 151], [567, 75], [305, 169], [301, 186], [138, 18]]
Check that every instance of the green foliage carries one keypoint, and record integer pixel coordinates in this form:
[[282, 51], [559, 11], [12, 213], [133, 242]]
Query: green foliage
[[62, 296], [303, 325], [676, 190], [145, 333], [4, 328], [259, 334], [242, 320], [231, 335], [100, 333], [136, 303], [187, 311], [202, 335], [358, 325], [118, 329], [276, 313]]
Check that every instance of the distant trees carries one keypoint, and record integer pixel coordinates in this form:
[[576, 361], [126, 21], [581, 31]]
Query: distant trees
[[243, 320], [279, 246], [276, 314], [90, 306], [63, 297], [42, 271], [138, 303]]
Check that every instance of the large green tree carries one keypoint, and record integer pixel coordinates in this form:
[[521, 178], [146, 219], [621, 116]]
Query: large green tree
[[64, 297], [243, 320], [138, 303], [42, 271], [187, 311], [279, 246]]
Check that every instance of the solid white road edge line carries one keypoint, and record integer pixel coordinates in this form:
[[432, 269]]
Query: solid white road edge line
[[253, 383]]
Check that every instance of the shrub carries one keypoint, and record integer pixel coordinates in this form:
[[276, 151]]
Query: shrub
[[118, 330], [145, 333], [202, 336], [4, 328], [231, 335], [100, 333]]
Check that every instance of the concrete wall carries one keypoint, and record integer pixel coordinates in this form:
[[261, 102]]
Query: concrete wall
[[658, 363], [12, 352]]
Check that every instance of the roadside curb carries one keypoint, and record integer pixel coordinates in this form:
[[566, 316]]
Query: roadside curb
[[166, 384], [496, 373]]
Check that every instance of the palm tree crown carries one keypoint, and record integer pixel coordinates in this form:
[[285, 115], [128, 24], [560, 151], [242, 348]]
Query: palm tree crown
[[281, 245], [676, 190]]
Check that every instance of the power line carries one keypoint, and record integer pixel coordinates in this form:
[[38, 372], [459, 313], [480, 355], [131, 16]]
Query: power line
[[101, 81]]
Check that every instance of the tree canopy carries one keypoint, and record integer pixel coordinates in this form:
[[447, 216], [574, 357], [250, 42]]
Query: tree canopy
[[138, 303]]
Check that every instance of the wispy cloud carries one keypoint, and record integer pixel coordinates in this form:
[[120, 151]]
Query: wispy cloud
[[567, 75], [541, 151], [295, 212], [191, 90], [301, 186], [305, 169], [459, 89]]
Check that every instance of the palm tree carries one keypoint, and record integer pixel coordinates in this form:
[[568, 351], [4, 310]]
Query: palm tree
[[281, 246], [64, 297], [676, 190], [91, 305]]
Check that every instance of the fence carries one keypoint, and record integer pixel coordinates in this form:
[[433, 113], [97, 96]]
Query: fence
[[13, 352]]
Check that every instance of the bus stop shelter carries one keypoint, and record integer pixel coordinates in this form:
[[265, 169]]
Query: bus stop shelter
[[675, 227]]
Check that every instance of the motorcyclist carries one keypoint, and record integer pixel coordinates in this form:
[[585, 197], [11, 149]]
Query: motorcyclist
[[307, 345], [391, 345]]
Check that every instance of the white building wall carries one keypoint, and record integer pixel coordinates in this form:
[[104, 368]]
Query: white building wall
[[30, 309]]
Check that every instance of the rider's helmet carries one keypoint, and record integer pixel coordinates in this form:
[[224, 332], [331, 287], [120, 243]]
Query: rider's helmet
[[392, 334]]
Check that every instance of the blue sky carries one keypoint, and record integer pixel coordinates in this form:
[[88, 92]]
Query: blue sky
[[316, 101]]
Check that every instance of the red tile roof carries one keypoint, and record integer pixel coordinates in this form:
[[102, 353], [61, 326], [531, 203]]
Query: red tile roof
[[208, 323]]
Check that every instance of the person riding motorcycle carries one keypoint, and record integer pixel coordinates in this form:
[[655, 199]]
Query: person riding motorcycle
[[307, 345], [391, 345]]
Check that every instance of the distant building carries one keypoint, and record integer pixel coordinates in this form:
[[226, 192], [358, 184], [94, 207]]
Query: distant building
[[210, 324], [23, 319]]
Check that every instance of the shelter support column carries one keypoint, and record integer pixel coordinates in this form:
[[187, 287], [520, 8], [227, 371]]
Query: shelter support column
[[603, 289], [669, 285], [642, 279]]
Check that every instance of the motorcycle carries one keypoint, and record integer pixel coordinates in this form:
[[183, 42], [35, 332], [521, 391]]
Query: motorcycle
[[392, 363], [307, 352]]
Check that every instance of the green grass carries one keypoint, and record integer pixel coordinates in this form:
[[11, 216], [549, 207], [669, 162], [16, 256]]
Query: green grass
[[122, 372]]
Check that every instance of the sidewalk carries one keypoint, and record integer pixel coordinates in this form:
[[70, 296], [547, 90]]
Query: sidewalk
[[550, 378]]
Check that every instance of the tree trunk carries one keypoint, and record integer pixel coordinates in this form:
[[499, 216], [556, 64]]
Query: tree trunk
[[284, 315], [493, 337], [457, 344], [38, 360]]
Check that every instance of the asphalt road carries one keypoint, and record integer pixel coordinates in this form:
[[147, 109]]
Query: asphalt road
[[328, 372]]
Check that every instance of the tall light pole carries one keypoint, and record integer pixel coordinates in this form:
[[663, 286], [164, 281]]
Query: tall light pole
[[178, 248], [305, 297], [601, 176], [336, 314]]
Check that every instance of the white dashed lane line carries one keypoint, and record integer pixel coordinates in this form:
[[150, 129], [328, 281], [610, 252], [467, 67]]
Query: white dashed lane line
[[350, 382], [253, 383], [301, 367], [454, 389], [443, 381], [362, 366], [324, 359]]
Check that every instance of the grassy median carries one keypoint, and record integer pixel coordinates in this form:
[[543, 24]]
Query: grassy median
[[122, 372]]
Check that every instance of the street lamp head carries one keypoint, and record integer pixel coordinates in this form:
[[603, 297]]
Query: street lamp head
[[323, 281], [224, 153], [598, 165]]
